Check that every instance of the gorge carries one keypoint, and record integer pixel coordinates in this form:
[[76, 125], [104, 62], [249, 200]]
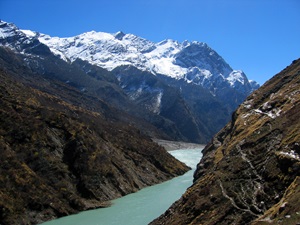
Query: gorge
[[79, 116]]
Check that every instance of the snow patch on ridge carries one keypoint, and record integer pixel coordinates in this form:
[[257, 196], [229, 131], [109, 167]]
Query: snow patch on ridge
[[6, 30], [236, 76], [157, 103], [29, 33]]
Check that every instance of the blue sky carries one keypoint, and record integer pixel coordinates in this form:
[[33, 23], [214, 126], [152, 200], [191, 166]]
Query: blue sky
[[260, 37]]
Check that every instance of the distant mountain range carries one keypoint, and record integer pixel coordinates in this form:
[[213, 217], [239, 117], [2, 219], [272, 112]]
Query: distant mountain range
[[194, 62], [185, 90]]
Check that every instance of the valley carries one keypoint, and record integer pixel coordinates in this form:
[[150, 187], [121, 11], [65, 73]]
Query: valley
[[89, 119], [143, 206]]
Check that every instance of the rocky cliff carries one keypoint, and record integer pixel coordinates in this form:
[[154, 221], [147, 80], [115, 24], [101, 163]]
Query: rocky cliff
[[63, 151], [249, 173]]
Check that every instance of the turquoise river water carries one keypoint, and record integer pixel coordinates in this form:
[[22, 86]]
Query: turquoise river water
[[142, 207]]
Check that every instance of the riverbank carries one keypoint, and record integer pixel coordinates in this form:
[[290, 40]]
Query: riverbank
[[175, 145], [143, 206]]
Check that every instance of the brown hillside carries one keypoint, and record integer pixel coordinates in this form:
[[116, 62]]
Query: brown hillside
[[250, 170], [59, 158]]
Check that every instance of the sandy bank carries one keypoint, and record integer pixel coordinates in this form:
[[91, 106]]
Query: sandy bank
[[175, 145]]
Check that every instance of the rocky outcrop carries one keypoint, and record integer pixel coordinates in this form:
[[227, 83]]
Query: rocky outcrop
[[286, 211], [249, 173], [63, 151]]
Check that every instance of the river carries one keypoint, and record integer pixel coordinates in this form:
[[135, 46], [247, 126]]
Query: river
[[142, 207]]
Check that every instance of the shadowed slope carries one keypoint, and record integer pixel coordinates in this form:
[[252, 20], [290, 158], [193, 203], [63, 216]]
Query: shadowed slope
[[63, 151]]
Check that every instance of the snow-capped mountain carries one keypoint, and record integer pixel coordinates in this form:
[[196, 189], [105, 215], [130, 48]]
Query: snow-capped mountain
[[185, 89], [194, 61], [19, 41]]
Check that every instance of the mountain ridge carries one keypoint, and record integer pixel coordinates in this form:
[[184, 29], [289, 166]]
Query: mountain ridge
[[172, 66], [165, 57], [168, 51]]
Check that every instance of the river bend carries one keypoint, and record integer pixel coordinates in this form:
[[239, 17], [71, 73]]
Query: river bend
[[142, 207]]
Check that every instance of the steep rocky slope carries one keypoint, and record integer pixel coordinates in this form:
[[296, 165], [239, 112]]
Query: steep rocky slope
[[249, 173], [190, 107], [63, 151]]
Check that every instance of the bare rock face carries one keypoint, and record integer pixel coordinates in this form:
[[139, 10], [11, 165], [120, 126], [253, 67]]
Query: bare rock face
[[250, 171]]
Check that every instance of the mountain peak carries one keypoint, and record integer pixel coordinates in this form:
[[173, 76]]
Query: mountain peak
[[29, 33], [193, 61], [168, 57], [7, 29], [119, 35], [93, 36]]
